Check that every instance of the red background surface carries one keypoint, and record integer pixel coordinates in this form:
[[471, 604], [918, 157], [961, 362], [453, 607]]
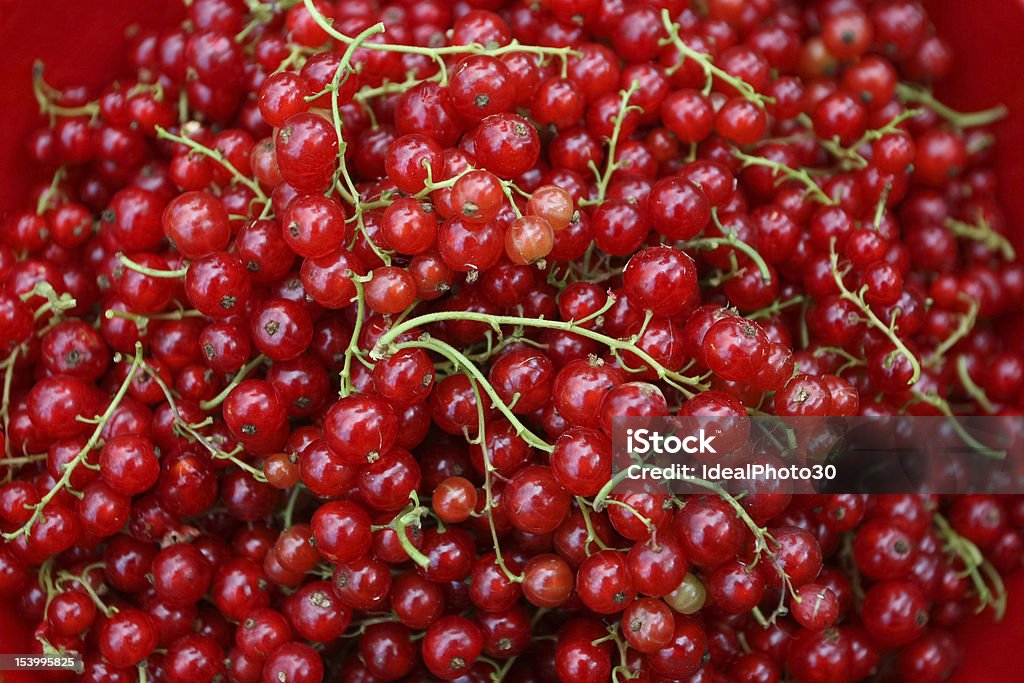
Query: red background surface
[[81, 41]]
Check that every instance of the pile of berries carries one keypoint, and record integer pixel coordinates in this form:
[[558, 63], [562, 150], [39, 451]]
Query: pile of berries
[[312, 346]]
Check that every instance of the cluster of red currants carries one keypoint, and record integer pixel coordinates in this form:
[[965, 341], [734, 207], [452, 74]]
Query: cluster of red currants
[[311, 348]]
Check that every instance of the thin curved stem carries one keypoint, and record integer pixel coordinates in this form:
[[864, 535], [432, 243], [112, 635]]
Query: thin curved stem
[[972, 389], [473, 372], [799, 175], [872, 319], [963, 328], [217, 156], [44, 95], [776, 307], [192, 431], [921, 95], [730, 240], [611, 165], [90, 444], [488, 483], [352, 349], [152, 272], [707, 64], [983, 233], [242, 373], [592, 536], [496, 321], [46, 197], [343, 178], [401, 522], [436, 52], [940, 404], [978, 569]]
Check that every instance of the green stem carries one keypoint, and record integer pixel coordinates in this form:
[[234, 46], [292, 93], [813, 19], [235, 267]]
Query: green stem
[[711, 70], [402, 521], [611, 165], [5, 406], [983, 233], [217, 156], [90, 444], [43, 203], [343, 177], [44, 95], [83, 581], [192, 431], [972, 389], [353, 343], [142, 321], [980, 570], [730, 240], [488, 483], [592, 536], [473, 372], [942, 406], [152, 272], [850, 156], [872, 319], [496, 321], [921, 95], [963, 328], [775, 308], [799, 175], [435, 53], [239, 376]]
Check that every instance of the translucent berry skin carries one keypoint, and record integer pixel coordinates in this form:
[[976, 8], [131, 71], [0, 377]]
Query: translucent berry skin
[[451, 645], [307, 151], [735, 349], [678, 209], [314, 226], [408, 159], [507, 145], [534, 501], [895, 612], [685, 650], [360, 428], [197, 223], [582, 460], [604, 583]]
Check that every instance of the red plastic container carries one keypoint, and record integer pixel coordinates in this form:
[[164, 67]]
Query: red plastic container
[[82, 41]]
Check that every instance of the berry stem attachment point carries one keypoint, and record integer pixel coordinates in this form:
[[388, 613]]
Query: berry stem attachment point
[[410, 515]]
